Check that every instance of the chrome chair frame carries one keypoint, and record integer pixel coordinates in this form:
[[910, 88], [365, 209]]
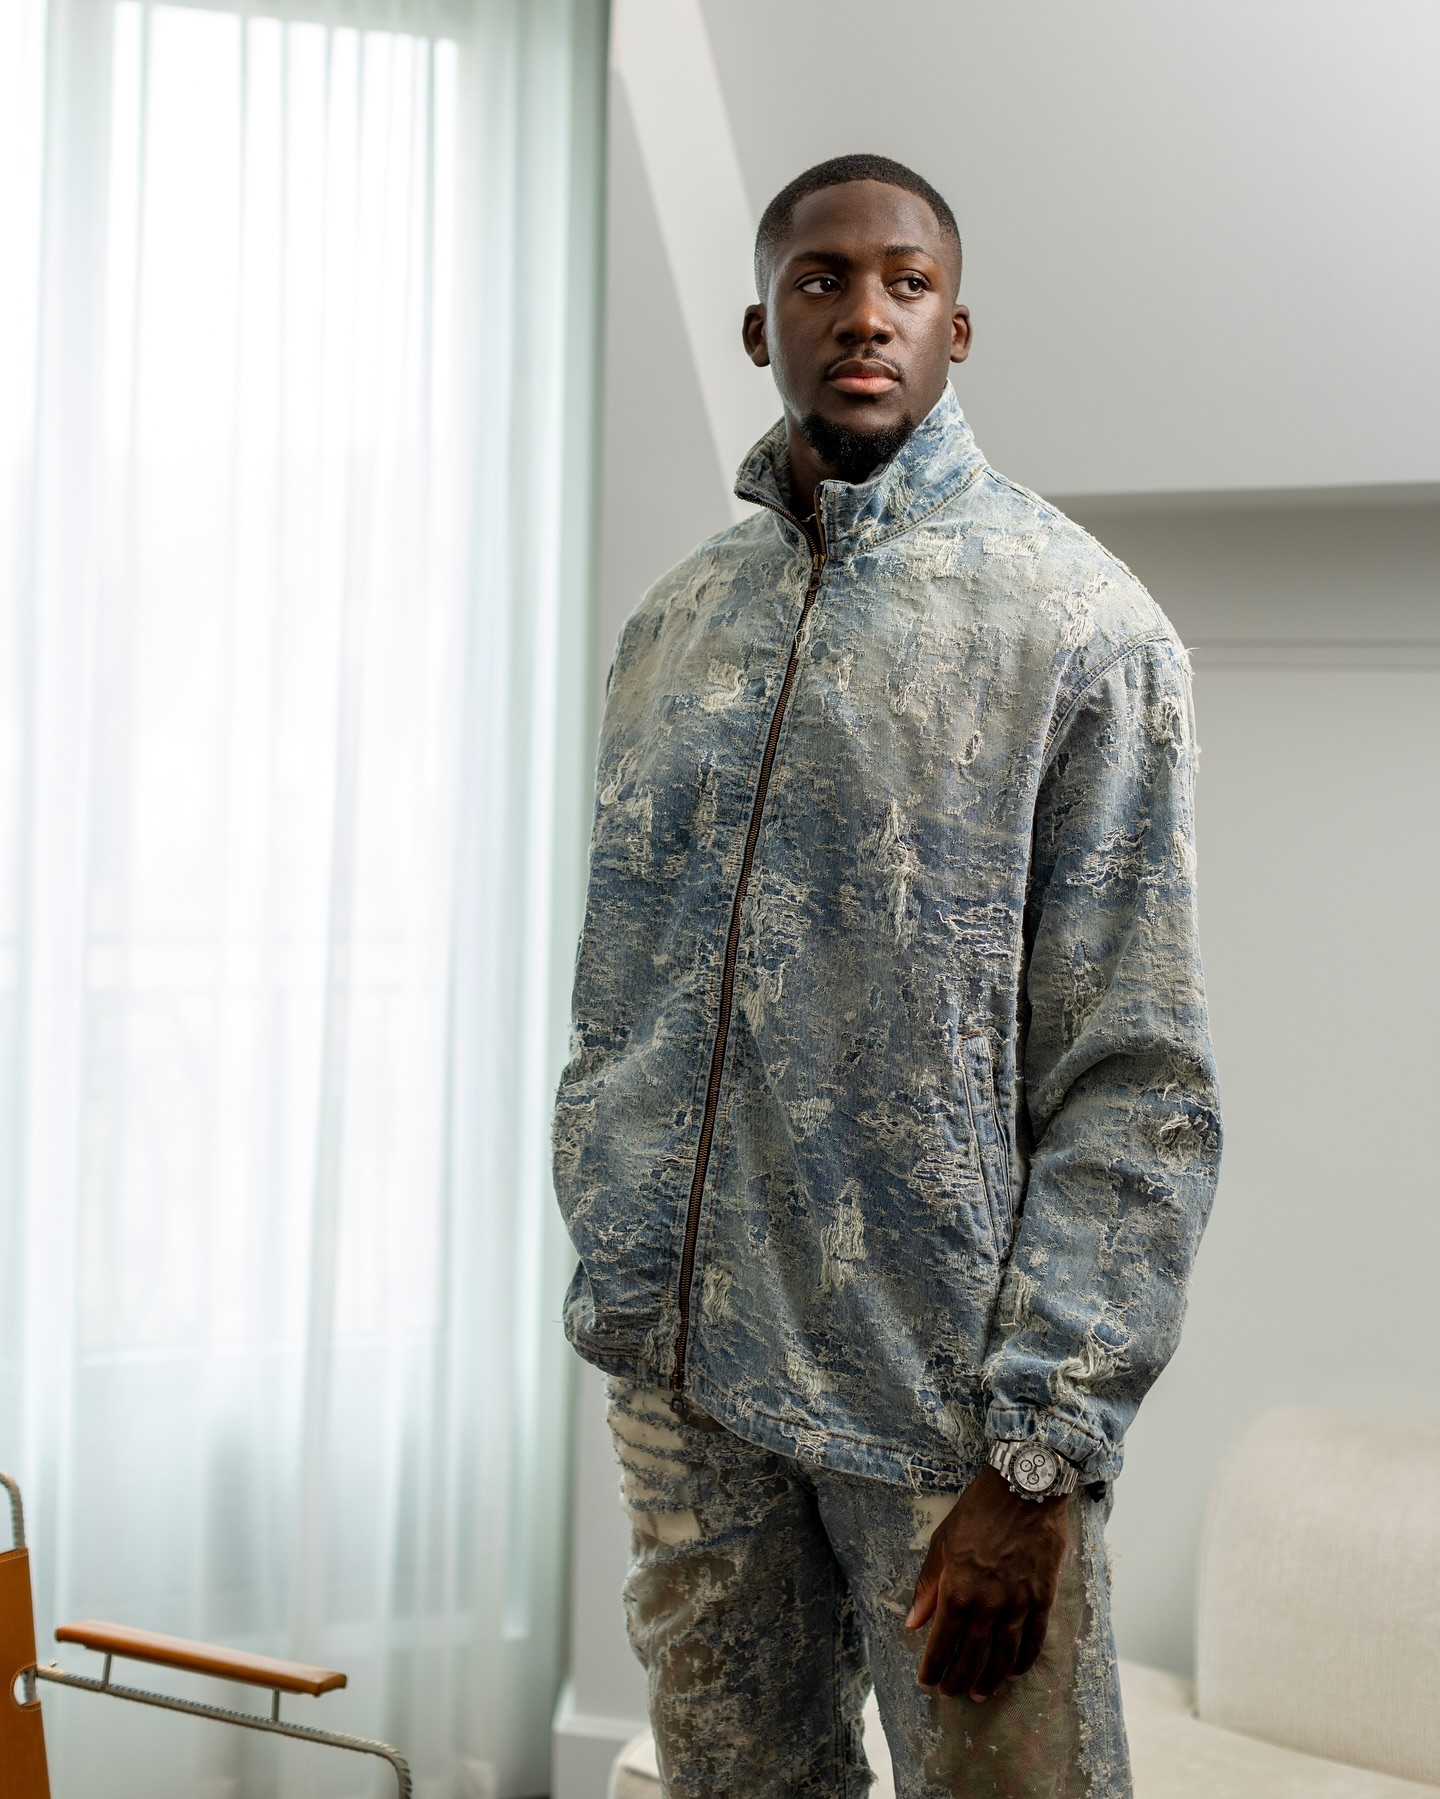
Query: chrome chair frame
[[274, 1725]]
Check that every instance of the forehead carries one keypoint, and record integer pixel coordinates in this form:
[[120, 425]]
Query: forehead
[[864, 218]]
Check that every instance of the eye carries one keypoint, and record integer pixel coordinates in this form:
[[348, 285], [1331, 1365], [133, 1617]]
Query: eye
[[819, 284], [910, 286]]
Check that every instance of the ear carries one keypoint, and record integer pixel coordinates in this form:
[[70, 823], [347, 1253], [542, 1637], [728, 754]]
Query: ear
[[752, 333], [960, 334]]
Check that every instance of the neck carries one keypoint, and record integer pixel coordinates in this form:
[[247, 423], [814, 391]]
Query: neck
[[807, 470], [823, 451]]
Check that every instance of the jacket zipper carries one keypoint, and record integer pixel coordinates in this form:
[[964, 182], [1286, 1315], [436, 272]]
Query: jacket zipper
[[732, 951]]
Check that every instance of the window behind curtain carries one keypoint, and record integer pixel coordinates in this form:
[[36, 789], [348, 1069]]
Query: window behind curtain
[[295, 530]]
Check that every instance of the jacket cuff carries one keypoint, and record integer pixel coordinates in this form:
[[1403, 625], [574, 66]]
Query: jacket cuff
[[1068, 1437]]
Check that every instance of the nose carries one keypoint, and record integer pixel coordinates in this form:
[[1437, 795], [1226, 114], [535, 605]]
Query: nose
[[867, 319]]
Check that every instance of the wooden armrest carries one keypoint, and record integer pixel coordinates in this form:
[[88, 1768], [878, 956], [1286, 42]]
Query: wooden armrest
[[200, 1658]]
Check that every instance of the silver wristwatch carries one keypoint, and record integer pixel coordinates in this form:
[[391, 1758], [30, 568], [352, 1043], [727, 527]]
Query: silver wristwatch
[[1033, 1471]]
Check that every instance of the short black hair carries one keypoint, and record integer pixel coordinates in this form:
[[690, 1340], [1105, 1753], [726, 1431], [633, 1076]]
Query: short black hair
[[776, 220]]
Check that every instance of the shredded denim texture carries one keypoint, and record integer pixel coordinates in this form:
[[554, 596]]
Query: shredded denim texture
[[763, 1598], [967, 1132]]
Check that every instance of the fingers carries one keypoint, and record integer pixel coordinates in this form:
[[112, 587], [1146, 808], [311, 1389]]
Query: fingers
[[942, 1644], [972, 1652], [1004, 1652], [975, 1652], [923, 1606], [926, 1588], [1032, 1640]]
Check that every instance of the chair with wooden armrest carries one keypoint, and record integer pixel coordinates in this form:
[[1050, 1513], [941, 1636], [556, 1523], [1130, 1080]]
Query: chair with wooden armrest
[[22, 1737]]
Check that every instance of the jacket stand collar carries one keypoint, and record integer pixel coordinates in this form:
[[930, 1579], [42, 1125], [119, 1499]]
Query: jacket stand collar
[[938, 459]]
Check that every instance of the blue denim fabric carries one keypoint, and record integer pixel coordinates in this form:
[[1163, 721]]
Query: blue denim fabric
[[960, 1133], [764, 1597]]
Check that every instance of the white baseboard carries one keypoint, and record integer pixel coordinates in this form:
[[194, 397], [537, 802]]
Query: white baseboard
[[583, 1748]]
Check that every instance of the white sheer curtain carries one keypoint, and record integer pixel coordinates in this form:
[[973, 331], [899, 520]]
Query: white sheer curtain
[[296, 392]]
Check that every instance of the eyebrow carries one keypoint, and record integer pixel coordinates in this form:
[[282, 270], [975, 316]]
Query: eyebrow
[[838, 259]]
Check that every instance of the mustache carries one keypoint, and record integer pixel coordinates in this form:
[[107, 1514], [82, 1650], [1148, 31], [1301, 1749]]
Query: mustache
[[867, 356]]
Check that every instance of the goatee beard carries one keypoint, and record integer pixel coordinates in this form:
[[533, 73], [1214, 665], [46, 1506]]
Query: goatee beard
[[854, 455]]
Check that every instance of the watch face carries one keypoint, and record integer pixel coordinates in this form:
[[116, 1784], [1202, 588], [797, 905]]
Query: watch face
[[1035, 1470]]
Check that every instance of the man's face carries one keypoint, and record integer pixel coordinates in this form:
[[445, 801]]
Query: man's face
[[860, 324]]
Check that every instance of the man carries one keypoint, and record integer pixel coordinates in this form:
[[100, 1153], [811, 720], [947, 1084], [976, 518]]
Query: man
[[891, 1124]]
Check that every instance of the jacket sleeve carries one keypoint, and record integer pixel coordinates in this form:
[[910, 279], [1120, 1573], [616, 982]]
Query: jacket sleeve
[[1119, 1076]]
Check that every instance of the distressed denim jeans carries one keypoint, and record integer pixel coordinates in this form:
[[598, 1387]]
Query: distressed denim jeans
[[765, 1596]]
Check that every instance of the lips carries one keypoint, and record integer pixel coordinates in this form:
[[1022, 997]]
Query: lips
[[863, 375]]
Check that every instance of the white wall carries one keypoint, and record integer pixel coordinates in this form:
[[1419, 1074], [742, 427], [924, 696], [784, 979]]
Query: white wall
[[663, 488], [1203, 359]]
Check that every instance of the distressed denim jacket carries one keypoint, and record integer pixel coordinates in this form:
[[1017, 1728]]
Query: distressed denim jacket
[[890, 1122]]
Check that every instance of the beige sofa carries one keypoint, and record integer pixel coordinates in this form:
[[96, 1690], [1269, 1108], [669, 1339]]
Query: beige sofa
[[1318, 1630]]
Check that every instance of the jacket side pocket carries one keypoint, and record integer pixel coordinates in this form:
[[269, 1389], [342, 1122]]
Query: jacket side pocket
[[977, 1066]]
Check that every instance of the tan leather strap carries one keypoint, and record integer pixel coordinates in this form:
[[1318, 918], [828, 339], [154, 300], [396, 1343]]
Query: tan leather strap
[[200, 1658]]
